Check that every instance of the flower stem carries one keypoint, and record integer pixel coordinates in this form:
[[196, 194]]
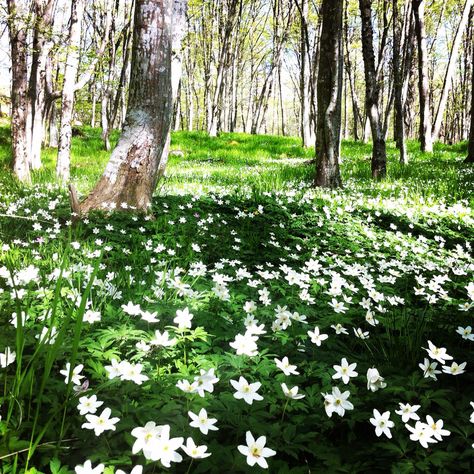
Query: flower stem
[[284, 409], [189, 468]]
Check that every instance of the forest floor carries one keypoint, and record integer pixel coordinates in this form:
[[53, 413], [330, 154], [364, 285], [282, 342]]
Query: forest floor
[[243, 265]]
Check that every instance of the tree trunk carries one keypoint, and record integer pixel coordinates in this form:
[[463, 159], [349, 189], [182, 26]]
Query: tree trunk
[[17, 11], [304, 77], [44, 16], [223, 54], [94, 104], [282, 18], [423, 80], [372, 92], [131, 174], [329, 92], [450, 69], [67, 103], [398, 85], [104, 117], [179, 29], [356, 115], [123, 77], [470, 154], [53, 127], [468, 71], [106, 123]]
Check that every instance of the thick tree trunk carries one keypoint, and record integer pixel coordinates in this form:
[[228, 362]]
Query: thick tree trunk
[[398, 85], [131, 174], [329, 92], [17, 10], [67, 103], [372, 92], [470, 154], [450, 69], [423, 79]]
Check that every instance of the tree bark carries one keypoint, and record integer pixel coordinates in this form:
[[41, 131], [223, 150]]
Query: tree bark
[[329, 93], [398, 85], [177, 33], [131, 174], [94, 103], [470, 153], [43, 23], [356, 115], [450, 69], [104, 116], [123, 76], [17, 11], [423, 79], [67, 102], [372, 92], [53, 127], [305, 130]]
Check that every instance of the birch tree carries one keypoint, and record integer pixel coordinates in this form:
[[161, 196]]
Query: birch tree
[[448, 77], [67, 99], [43, 11], [131, 174], [470, 153], [399, 126], [71, 83]]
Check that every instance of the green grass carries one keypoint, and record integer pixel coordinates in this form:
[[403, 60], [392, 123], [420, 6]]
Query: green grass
[[268, 163]]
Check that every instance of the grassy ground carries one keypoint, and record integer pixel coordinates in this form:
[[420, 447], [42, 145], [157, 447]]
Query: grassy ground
[[269, 163], [380, 268]]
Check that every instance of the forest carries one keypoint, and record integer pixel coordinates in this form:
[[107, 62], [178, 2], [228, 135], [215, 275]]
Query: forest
[[236, 236]]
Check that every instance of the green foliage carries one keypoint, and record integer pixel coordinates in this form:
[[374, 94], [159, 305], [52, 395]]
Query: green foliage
[[229, 206]]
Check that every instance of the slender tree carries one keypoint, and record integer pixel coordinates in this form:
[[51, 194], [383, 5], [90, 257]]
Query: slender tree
[[329, 93], [70, 86], [351, 71], [423, 78], [448, 77], [231, 7], [470, 154], [18, 29], [42, 44], [131, 174], [398, 84], [372, 92], [305, 75], [67, 100]]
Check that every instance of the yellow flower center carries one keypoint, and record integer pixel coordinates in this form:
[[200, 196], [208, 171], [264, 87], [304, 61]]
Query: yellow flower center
[[255, 451]]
